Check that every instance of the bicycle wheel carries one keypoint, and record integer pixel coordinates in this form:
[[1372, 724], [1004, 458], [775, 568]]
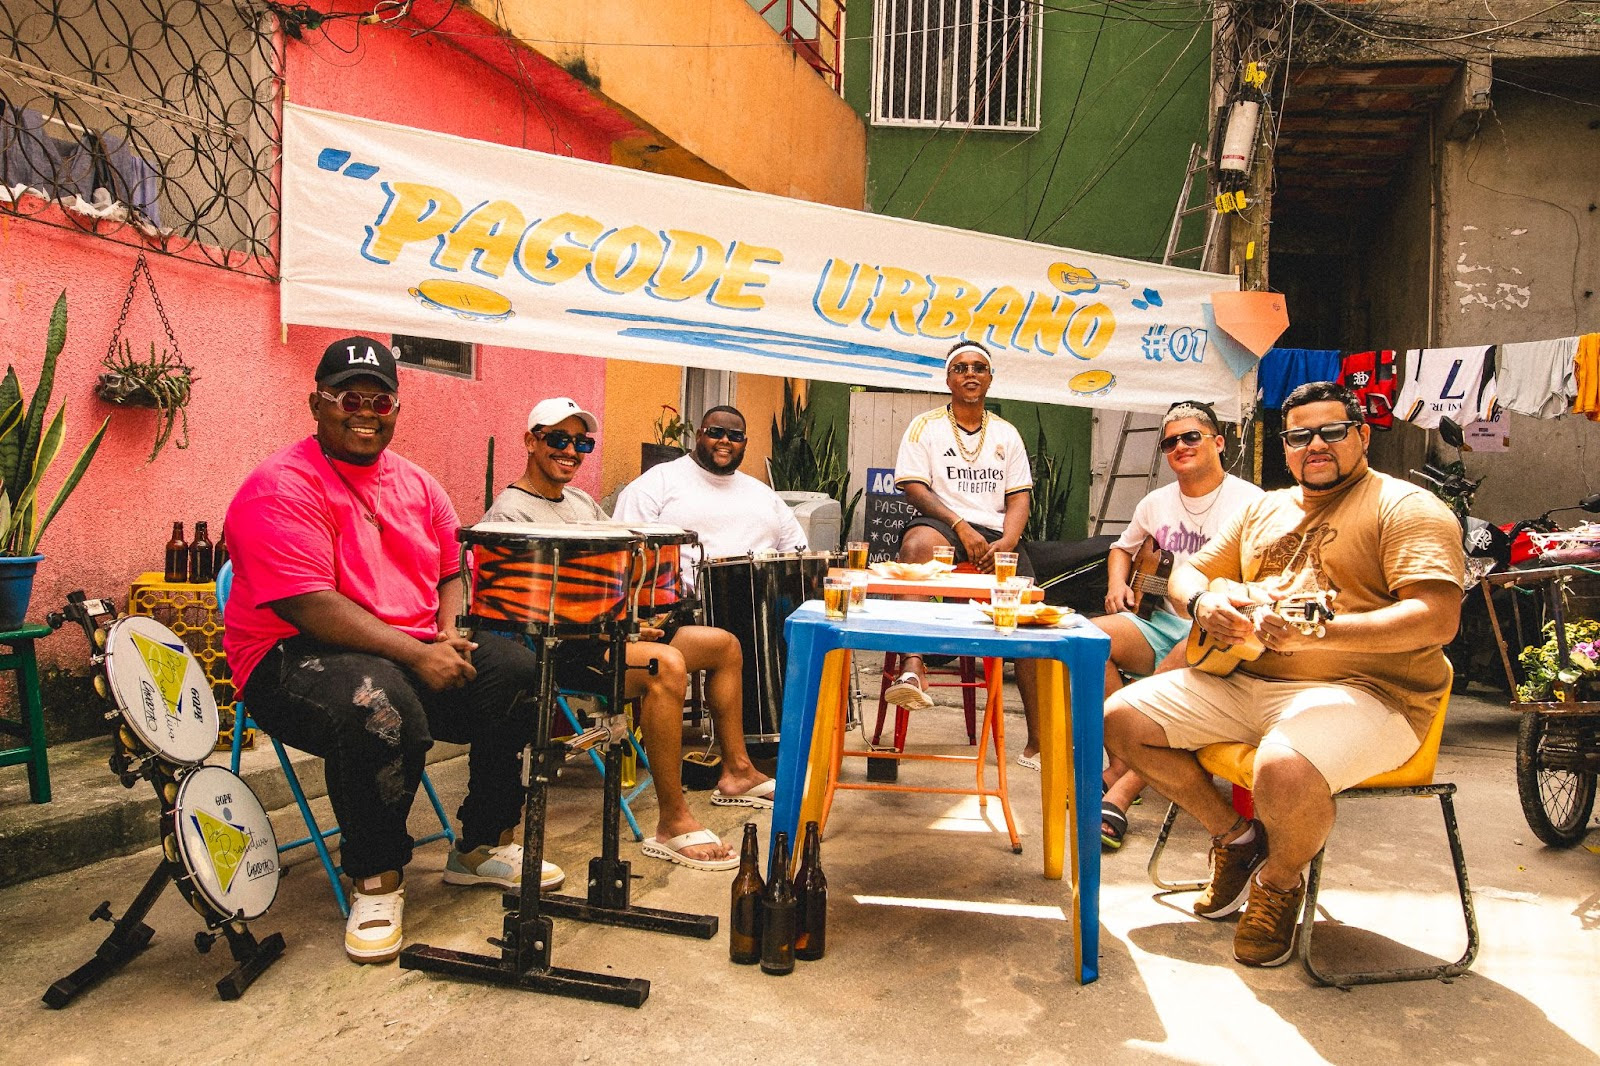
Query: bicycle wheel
[[1555, 777]]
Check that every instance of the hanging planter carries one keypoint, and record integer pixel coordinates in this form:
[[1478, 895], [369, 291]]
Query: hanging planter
[[162, 382]]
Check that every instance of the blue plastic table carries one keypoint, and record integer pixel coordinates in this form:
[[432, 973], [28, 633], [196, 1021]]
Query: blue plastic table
[[816, 682]]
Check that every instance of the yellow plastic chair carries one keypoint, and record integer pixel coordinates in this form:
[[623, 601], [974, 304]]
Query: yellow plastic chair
[[1235, 763]]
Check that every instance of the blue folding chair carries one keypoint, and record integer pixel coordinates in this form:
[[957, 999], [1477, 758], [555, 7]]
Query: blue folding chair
[[316, 836], [599, 764]]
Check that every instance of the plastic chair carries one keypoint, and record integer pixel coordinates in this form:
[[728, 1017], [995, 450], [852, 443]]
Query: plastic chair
[[1235, 763], [316, 836], [970, 682]]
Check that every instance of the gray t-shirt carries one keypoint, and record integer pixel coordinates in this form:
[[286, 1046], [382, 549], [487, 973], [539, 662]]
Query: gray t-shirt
[[519, 505]]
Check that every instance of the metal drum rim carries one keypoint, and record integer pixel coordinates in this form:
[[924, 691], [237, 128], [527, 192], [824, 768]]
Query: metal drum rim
[[193, 881], [130, 622]]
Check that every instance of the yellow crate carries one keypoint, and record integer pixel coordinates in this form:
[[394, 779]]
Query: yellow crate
[[190, 611]]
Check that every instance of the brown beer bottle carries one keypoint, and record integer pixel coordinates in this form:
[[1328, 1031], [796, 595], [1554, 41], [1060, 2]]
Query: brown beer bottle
[[744, 916], [777, 913], [222, 551], [810, 900], [177, 570], [202, 556]]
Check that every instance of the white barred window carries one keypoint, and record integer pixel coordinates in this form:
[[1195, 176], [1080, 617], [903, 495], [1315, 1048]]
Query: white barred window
[[967, 63]]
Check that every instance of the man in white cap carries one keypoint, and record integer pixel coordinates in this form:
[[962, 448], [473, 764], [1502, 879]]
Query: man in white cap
[[966, 471], [558, 438]]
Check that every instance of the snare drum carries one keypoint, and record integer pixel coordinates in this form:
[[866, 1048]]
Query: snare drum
[[750, 597], [551, 580], [219, 834], [161, 691], [661, 586]]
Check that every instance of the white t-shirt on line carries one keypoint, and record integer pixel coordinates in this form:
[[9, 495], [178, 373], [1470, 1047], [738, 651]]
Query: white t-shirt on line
[[975, 489]]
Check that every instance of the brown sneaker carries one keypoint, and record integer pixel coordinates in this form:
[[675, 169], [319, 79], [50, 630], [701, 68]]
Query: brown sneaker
[[1231, 867], [1265, 936]]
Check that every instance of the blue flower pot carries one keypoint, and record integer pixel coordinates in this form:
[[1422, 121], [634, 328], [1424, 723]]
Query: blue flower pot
[[16, 588]]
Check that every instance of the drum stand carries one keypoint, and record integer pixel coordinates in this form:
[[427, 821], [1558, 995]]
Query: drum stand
[[525, 943], [129, 935]]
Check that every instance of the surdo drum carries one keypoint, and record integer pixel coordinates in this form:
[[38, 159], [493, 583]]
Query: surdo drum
[[162, 693], [219, 833], [572, 580], [750, 596]]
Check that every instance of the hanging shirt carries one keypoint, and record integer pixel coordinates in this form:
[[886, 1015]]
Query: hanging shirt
[[1445, 382], [1372, 376], [1586, 377], [1535, 378], [971, 475], [1285, 369]]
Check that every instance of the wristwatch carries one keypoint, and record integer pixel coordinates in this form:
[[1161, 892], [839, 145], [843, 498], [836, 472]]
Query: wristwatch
[[1193, 601]]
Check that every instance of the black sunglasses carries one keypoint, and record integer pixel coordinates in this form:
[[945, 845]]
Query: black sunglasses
[[970, 368], [1332, 432], [1191, 438], [718, 432], [558, 439], [350, 401]]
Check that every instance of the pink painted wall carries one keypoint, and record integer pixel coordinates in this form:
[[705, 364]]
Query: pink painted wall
[[251, 395]]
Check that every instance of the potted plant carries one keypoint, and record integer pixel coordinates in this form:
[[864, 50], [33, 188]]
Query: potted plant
[[27, 448], [162, 381], [672, 439]]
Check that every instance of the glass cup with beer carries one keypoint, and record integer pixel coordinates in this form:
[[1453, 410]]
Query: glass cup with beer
[[858, 590], [836, 598], [944, 553], [1004, 603], [1005, 567], [856, 555]]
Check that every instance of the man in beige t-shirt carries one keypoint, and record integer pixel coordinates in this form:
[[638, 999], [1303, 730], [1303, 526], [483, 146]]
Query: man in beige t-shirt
[[1325, 712]]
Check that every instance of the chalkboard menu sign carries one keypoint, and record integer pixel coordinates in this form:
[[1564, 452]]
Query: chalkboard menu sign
[[888, 514]]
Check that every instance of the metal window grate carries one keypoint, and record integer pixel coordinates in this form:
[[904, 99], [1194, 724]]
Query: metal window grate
[[147, 122], [969, 63], [430, 353]]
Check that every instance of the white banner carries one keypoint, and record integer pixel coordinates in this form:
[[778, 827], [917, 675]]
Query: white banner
[[393, 229]]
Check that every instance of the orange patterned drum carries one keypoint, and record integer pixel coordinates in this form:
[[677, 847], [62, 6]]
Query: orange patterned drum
[[552, 580], [660, 587]]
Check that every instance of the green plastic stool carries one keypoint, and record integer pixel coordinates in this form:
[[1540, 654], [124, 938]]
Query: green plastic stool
[[31, 727]]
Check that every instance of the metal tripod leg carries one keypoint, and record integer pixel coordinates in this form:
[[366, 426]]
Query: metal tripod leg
[[128, 937]]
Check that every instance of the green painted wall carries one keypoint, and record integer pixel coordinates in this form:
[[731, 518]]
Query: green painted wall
[[1123, 96]]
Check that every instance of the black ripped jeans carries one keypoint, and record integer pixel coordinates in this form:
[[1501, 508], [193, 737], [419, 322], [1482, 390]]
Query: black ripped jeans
[[372, 722]]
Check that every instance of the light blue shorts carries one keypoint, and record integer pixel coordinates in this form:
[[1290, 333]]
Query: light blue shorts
[[1163, 631]]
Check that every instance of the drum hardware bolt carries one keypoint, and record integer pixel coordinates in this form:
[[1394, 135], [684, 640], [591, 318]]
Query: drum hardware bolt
[[103, 913], [112, 715], [203, 942], [616, 884]]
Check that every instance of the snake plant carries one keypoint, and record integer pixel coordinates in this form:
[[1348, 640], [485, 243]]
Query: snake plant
[[28, 446]]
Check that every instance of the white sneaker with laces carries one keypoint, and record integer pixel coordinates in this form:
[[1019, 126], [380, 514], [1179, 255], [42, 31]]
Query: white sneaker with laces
[[373, 931], [500, 865], [907, 692]]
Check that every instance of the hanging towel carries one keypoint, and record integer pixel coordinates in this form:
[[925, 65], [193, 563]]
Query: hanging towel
[[1373, 377], [1285, 369], [1535, 378], [1442, 382], [1586, 374]]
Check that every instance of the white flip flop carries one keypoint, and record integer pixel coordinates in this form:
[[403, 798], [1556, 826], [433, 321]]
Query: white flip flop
[[759, 796], [672, 850]]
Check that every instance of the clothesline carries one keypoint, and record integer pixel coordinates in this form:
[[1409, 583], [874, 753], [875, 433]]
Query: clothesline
[[1540, 379]]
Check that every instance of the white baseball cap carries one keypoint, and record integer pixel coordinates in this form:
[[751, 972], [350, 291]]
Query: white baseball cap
[[559, 409]]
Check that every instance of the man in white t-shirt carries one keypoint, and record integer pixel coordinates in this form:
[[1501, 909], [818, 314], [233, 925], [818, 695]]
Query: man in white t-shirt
[[1180, 519], [557, 440], [704, 491], [966, 471]]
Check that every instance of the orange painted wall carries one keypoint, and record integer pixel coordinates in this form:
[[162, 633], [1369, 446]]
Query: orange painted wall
[[732, 99]]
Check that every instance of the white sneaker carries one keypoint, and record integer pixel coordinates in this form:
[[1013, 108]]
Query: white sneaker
[[500, 866], [373, 931], [907, 692]]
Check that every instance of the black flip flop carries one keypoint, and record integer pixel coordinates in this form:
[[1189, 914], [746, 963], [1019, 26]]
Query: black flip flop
[[1113, 826]]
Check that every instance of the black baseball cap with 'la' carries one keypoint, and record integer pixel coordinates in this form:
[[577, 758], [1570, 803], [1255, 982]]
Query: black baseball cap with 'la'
[[358, 357]]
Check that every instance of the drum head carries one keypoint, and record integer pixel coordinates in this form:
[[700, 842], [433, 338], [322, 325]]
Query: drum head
[[602, 536], [161, 690], [658, 534], [226, 842]]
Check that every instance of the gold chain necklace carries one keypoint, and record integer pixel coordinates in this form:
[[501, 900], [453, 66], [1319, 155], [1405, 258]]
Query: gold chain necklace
[[958, 432]]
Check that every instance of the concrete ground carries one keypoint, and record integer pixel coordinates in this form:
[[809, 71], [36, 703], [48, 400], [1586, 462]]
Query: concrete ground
[[943, 946]]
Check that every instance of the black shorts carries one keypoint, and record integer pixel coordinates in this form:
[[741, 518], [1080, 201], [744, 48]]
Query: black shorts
[[1024, 564]]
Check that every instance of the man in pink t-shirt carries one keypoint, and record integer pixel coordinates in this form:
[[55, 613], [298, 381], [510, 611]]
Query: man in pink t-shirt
[[343, 646]]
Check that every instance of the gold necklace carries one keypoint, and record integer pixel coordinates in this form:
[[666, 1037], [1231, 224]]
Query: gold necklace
[[957, 431], [371, 509]]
